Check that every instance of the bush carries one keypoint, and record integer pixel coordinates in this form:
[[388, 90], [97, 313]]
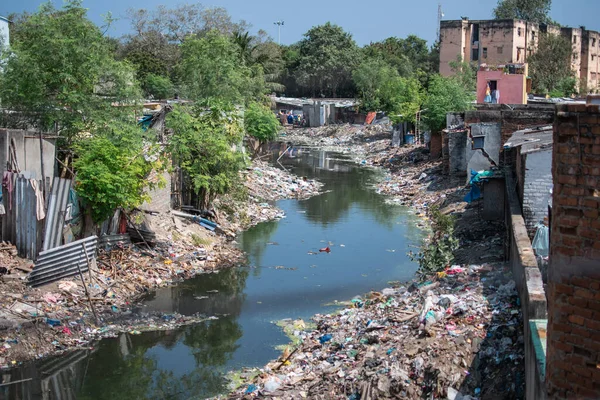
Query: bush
[[112, 167], [159, 87], [260, 122], [203, 145], [439, 253]]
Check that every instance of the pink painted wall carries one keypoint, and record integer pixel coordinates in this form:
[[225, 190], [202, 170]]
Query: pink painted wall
[[511, 87]]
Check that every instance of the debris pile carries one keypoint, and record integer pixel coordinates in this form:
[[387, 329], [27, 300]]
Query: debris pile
[[442, 338], [270, 184], [36, 322]]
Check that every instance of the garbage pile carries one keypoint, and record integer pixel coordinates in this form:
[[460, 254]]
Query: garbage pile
[[444, 338], [344, 138], [270, 184]]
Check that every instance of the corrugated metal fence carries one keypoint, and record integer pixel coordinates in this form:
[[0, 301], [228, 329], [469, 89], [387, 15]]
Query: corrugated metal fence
[[57, 208], [20, 225], [63, 261]]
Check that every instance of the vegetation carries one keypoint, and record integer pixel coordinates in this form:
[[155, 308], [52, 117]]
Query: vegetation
[[550, 66], [326, 58], [202, 142], [260, 122], [443, 96], [439, 253], [211, 67], [529, 10]]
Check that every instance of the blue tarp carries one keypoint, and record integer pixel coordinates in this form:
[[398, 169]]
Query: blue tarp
[[476, 177]]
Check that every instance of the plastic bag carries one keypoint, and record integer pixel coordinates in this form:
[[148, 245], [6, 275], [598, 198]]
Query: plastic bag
[[541, 241]]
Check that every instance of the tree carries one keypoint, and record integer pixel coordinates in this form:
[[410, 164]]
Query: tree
[[112, 165], [327, 56], [465, 73], [529, 10], [211, 67], [201, 144], [550, 65], [260, 122], [381, 88], [159, 87], [444, 95], [61, 72]]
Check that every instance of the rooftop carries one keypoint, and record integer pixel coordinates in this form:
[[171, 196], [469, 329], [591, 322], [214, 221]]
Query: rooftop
[[532, 139]]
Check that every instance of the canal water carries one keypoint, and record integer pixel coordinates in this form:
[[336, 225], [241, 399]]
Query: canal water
[[286, 277]]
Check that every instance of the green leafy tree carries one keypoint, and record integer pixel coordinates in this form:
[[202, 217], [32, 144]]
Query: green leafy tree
[[550, 65], [211, 67], [444, 95], [260, 122], [112, 165], [159, 87], [465, 73], [381, 88], [327, 56], [203, 145], [61, 70], [529, 10]]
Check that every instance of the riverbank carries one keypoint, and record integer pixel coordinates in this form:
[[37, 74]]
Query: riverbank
[[452, 334], [44, 321]]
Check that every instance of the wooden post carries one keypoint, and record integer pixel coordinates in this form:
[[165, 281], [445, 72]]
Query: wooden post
[[84, 286]]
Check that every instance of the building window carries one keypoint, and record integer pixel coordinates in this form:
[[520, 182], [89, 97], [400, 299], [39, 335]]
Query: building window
[[485, 52], [478, 142], [475, 55], [499, 50], [593, 42], [532, 35], [574, 39], [520, 31]]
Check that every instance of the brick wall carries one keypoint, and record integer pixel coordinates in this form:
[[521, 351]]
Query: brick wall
[[435, 148], [573, 356], [536, 187]]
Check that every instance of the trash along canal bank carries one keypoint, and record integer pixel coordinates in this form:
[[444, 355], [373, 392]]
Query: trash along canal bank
[[38, 322], [454, 332], [289, 273]]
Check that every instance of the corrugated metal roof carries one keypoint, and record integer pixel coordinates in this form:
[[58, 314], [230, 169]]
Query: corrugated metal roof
[[64, 261], [57, 207]]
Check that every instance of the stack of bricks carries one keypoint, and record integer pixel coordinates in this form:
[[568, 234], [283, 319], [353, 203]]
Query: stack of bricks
[[573, 355]]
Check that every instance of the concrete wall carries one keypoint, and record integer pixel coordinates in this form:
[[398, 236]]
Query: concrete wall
[[452, 44], [478, 160], [512, 87], [573, 352], [537, 183], [28, 152], [574, 36], [457, 142], [528, 279], [590, 63]]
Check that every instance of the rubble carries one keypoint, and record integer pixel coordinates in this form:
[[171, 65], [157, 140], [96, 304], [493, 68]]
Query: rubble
[[456, 334], [419, 341], [35, 322]]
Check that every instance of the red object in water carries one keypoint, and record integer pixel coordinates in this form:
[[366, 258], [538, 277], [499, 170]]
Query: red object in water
[[325, 250]]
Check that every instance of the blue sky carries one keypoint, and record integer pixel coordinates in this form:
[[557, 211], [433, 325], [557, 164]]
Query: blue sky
[[368, 21]]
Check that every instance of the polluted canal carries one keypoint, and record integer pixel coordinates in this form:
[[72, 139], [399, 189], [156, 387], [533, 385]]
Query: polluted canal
[[287, 276]]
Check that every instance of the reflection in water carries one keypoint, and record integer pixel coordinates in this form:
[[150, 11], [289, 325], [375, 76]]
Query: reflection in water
[[369, 240]]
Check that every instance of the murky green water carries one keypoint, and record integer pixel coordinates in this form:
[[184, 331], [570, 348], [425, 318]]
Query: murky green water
[[368, 238]]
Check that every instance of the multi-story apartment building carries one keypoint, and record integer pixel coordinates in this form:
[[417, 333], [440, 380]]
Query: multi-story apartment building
[[508, 41]]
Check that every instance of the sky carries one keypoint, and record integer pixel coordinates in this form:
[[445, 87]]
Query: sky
[[369, 21]]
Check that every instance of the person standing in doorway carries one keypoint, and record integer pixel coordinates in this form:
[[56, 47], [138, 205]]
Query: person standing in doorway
[[496, 96], [488, 94]]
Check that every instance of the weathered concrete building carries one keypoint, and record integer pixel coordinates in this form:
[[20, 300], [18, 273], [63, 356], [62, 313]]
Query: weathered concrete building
[[573, 342], [500, 42], [590, 63], [507, 83], [490, 41], [474, 139]]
